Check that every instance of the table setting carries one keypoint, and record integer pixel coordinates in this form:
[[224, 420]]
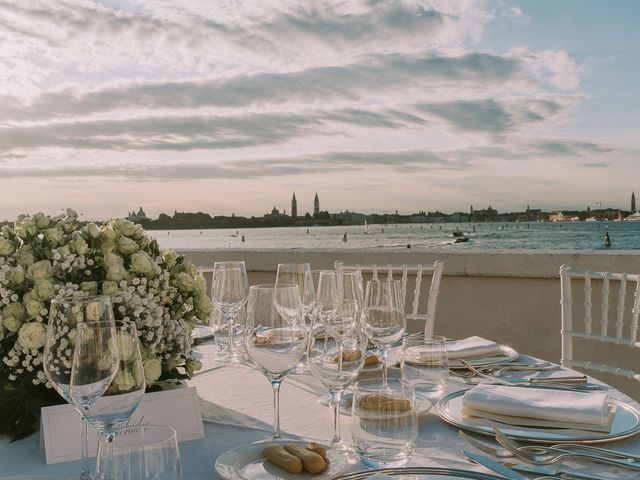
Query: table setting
[[285, 393]]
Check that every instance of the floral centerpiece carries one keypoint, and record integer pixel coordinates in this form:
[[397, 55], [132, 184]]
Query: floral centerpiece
[[44, 257]]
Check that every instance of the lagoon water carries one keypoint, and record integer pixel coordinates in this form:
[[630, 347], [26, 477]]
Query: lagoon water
[[482, 236]]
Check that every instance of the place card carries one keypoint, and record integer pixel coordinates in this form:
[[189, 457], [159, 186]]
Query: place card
[[61, 432]]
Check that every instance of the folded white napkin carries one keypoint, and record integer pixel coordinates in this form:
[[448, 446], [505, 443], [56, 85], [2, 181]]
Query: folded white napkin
[[472, 347], [590, 408]]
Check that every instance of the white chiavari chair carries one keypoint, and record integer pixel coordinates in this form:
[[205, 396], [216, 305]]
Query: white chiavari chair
[[596, 309], [410, 276]]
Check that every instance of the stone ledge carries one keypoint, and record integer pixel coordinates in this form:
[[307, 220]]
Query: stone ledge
[[492, 263]]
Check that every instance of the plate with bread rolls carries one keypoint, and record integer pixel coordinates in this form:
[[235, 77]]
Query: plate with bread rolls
[[281, 459]]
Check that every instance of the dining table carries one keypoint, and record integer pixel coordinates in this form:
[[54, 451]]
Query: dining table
[[236, 402]]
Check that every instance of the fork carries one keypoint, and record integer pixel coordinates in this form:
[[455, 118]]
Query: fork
[[553, 454]]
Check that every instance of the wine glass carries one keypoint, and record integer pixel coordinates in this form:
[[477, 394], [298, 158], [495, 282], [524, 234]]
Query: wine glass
[[425, 366], [274, 336], [65, 314], [349, 283], [229, 291], [327, 302], [383, 319], [112, 409], [300, 274], [336, 358], [140, 453]]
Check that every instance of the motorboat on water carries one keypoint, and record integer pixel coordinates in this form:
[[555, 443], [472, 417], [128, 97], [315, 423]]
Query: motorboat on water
[[635, 216], [457, 233]]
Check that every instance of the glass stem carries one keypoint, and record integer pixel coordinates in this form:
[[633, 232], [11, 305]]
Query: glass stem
[[232, 346], [275, 384], [336, 395], [385, 352], [84, 473]]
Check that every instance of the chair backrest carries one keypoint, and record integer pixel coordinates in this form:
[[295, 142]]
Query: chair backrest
[[409, 275], [614, 332]]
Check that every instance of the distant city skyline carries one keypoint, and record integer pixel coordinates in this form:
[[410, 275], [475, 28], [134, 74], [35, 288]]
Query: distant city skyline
[[230, 107]]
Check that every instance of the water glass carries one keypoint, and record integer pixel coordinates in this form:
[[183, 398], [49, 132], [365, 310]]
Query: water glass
[[225, 333], [425, 366], [140, 453], [384, 422]]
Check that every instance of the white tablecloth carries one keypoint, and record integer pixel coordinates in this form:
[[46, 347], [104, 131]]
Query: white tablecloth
[[237, 405]]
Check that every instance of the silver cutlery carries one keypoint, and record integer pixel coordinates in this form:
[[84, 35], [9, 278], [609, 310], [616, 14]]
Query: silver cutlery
[[555, 454], [499, 467]]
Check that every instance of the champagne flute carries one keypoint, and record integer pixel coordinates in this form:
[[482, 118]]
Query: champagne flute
[[336, 358], [229, 291], [383, 319], [300, 274], [112, 409], [65, 314], [274, 336]]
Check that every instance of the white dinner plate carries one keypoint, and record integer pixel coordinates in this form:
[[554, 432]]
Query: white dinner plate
[[201, 332], [507, 354], [626, 423], [247, 463]]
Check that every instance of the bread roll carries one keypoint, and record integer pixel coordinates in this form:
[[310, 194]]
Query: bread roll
[[277, 455], [311, 461]]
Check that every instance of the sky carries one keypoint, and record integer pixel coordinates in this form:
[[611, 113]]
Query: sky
[[232, 106]]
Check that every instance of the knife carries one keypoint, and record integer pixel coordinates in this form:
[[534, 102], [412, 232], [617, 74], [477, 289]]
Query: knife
[[560, 472], [495, 466]]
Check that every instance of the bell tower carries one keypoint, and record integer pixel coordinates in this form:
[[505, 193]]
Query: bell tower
[[294, 207], [316, 205]]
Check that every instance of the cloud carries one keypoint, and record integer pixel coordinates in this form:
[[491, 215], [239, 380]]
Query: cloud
[[401, 161], [493, 116]]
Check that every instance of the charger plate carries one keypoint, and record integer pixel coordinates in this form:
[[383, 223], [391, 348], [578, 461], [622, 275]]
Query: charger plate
[[415, 473], [247, 463], [626, 423]]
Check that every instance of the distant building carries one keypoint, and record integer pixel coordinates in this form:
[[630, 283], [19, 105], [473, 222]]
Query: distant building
[[486, 215], [136, 217], [316, 205], [633, 202], [294, 207]]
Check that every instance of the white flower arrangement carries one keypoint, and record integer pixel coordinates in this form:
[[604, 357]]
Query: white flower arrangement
[[44, 257]]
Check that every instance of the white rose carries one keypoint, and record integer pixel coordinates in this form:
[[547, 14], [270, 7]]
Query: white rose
[[53, 235], [152, 369], [126, 344], [16, 276], [109, 288], [79, 245], [192, 365], [90, 287], [191, 269], [126, 246], [41, 220], [169, 257], [44, 289], [124, 380], [14, 309], [93, 230], [64, 250], [142, 263], [185, 282], [203, 306], [26, 228], [32, 335], [171, 362], [116, 273], [201, 285], [138, 232], [39, 270], [108, 246], [25, 256], [108, 233], [33, 307], [6, 247], [112, 260], [12, 323], [127, 228]]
